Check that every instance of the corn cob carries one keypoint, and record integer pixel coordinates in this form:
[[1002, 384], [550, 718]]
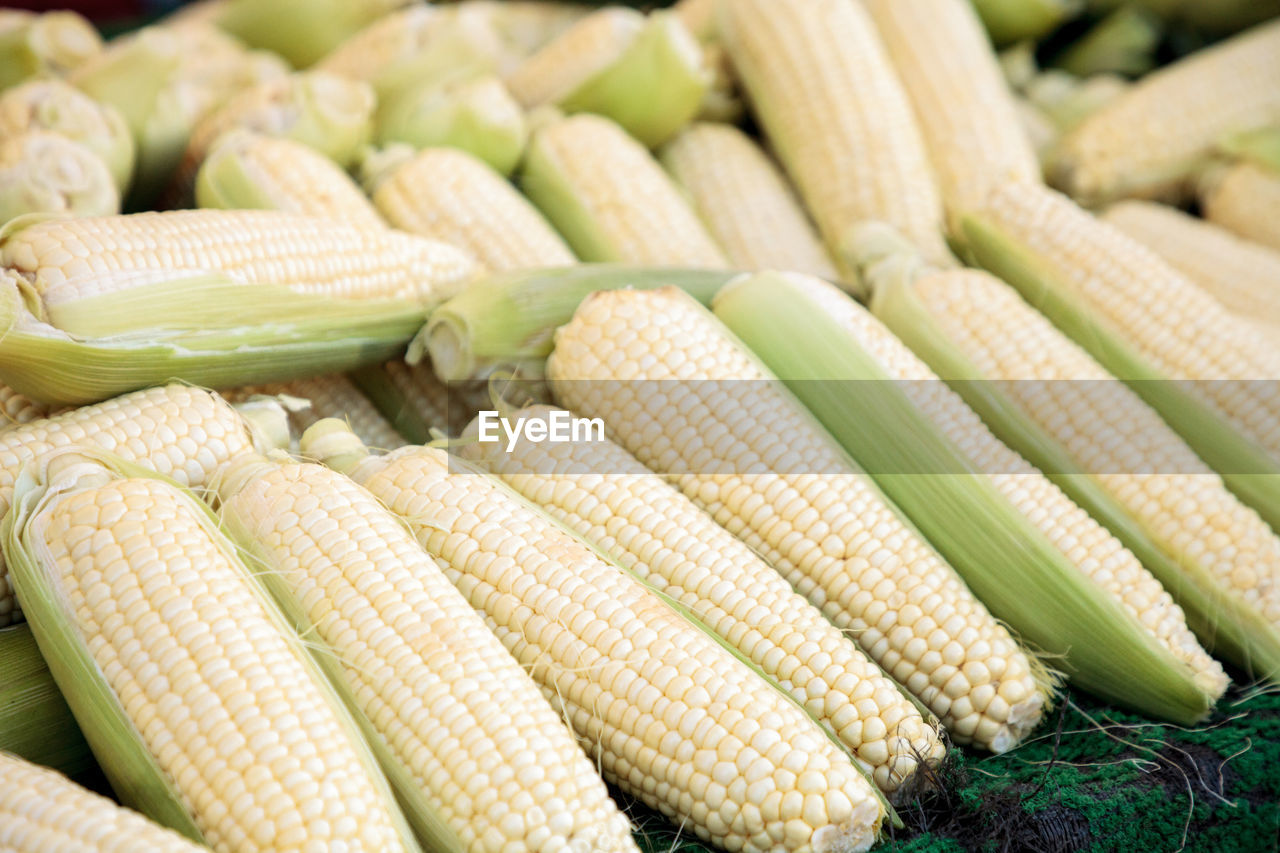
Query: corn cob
[[1124, 42], [746, 452], [204, 710], [418, 668], [35, 722], [1244, 199], [249, 170], [302, 31], [331, 114], [822, 87], [604, 495], [1014, 20], [46, 45], [1040, 129], [1068, 100], [1103, 446], [455, 198], [686, 728], [698, 17], [180, 432], [526, 25], [1143, 144], [600, 63], [16, 408], [962, 104], [1182, 351], [1064, 582], [55, 106], [331, 396], [1243, 276], [476, 114], [42, 172], [745, 201], [67, 259], [610, 199], [43, 810]]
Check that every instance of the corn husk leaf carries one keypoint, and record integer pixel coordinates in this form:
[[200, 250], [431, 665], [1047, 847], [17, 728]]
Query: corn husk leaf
[[1022, 578], [1124, 42], [45, 45], [1012, 20], [302, 31], [35, 722]]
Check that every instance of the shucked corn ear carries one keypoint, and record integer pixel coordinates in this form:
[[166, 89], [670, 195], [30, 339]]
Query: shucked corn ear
[[610, 199], [204, 711], [58, 107], [479, 757], [675, 389], [1183, 353], [1043, 566], [453, 197], [684, 726], [963, 106], [44, 45], [181, 432], [249, 170], [822, 86], [509, 320], [320, 397], [745, 200], [622, 508], [601, 63], [18, 408], [42, 172], [1243, 276], [43, 810], [1244, 198], [1096, 439], [1143, 142], [35, 722], [302, 31], [474, 113]]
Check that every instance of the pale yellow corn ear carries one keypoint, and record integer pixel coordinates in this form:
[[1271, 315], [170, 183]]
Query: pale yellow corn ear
[[181, 432], [526, 25], [73, 259], [43, 172], [1039, 128], [686, 727], [627, 512], [1244, 199], [1068, 100], [35, 722], [44, 45], [1143, 144], [679, 392], [1242, 275], [610, 199], [1103, 445], [250, 170], [451, 196], [745, 201], [821, 83], [56, 106], [698, 17], [585, 49], [484, 762], [302, 31], [204, 709], [44, 810], [18, 409], [962, 104], [332, 396]]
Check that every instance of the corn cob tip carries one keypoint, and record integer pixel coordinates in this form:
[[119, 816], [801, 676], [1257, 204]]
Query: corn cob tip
[[331, 442], [268, 422], [871, 243], [376, 164]]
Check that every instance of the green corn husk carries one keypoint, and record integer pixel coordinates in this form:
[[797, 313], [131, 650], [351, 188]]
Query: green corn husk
[[55, 106], [1010, 565], [509, 320], [1012, 20], [302, 31], [526, 25], [1248, 469], [1228, 629], [44, 172], [1124, 42], [134, 773], [44, 45], [417, 403], [1068, 100], [200, 327], [1214, 17], [35, 722], [1260, 147], [477, 115]]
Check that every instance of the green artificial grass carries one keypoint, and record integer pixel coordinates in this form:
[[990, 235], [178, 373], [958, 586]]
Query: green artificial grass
[[1093, 779]]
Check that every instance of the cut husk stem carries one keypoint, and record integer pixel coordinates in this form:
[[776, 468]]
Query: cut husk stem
[[1246, 467], [1011, 566], [509, 320], [35, 722], [1228, 629], [206, 329]]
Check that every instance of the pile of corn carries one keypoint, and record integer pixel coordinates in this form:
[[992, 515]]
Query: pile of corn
[[421, 415]]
